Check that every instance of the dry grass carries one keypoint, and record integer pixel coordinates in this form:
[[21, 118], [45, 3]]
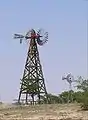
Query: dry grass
[[42, 112]]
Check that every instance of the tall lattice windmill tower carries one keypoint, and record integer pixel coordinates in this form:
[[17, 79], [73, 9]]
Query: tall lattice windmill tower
[[32, 82]]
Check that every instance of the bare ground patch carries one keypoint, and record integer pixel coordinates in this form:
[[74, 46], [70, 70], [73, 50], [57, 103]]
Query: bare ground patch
[[43, 112]]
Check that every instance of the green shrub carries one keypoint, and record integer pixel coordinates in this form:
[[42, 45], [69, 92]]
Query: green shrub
[[84, 101]]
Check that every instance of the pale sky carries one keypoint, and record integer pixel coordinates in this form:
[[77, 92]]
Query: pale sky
[[65, 52]]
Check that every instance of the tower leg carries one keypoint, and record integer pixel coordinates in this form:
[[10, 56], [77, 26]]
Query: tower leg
[[19, 97], [32, 98], [26, 98], [38, 98]]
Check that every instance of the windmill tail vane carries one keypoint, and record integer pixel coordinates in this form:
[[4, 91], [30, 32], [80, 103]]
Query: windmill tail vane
[[17, 36], [64, 78]]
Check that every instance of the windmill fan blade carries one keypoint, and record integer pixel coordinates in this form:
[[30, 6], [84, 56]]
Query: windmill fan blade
[[28, 33], [41, 31], [40, 42]]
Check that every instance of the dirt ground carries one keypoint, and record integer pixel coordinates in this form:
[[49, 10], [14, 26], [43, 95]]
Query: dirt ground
[[42, 112]]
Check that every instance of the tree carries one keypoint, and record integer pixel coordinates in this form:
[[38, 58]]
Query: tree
[[67, 96], [83, 86], [52, 99]]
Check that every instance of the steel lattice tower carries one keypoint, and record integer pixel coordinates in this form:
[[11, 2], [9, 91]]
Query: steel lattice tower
[[32, 82]]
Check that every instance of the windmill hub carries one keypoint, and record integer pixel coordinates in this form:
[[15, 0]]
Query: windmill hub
[[33, 36]]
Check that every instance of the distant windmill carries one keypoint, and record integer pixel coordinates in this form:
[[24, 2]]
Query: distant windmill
[[69, 79]]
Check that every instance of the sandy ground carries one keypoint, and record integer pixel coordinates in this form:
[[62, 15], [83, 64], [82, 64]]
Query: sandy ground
[[42, 112]]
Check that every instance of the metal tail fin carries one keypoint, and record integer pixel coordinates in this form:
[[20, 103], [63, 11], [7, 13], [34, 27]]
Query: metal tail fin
[[16, 36]]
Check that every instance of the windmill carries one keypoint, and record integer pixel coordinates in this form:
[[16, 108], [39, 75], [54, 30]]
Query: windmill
[[32, 82], [69, 78]]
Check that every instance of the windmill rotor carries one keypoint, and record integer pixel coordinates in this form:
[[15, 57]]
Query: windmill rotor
[[19, 36], [42, 37], [70, 78]]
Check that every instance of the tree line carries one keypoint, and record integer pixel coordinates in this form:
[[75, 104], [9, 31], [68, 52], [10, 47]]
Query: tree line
[[80, 96]]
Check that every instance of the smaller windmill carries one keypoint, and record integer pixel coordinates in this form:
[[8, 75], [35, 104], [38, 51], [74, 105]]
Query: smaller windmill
[[69, 79]]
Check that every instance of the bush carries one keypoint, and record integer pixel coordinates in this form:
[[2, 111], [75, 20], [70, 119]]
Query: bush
[[84, 101]]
